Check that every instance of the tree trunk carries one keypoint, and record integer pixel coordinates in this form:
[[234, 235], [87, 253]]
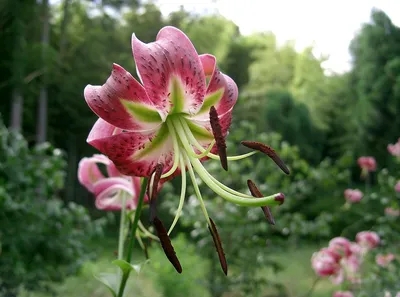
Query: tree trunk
[[16, 109], [41, 132], [63, 31]]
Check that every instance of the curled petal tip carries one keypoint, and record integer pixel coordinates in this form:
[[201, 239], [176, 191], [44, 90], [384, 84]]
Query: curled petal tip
[[270, 152], [280, 198]]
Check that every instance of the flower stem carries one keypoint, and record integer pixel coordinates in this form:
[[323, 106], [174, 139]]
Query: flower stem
[[132, 237], [121, 238], [314, 284]]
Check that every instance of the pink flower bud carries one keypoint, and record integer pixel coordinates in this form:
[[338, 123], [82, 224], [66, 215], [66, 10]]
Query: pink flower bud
[[342, 294], [384, 260], [368, 240], [353, 196]]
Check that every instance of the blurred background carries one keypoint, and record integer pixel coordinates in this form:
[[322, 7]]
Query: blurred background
[[318, 80]]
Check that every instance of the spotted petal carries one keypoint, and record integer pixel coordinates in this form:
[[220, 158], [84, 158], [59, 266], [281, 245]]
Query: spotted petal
[[171, 71], [123, 102], [133, 153], [222, 92]]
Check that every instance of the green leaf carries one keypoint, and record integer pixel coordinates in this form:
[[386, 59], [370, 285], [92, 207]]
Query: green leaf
[[110, 280], [127, 267]]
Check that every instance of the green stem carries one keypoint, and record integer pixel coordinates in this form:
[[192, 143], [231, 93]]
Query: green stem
[[132, 237], [121, 238], [314, 284]]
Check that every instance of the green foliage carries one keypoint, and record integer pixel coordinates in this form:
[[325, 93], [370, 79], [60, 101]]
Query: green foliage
[[375, 53], [41, 238]]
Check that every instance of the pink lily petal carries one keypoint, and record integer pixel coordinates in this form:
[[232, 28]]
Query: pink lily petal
[[109, 196], [171, 62], [123, 102], [113, 171], [222, 92], [111, 199], [104, 184], [133, 153], [88, 171]]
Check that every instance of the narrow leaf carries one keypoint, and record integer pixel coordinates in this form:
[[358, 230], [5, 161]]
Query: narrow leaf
[[218, 246], [110, 280]]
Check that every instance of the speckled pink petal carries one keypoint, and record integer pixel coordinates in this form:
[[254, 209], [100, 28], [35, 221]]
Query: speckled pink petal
[[222, 92], [133, 153], [123, 102], [171, 57]]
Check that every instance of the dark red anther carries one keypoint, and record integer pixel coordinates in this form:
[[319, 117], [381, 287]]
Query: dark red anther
[[280, 198], [152, 189], [269, 152], [218, 246], [255, 192], [219, 137], [166, 244]]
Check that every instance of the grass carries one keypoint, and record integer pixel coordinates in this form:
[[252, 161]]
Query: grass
[[159, 279]]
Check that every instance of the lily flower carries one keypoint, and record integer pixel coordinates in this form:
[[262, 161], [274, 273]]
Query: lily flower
[[177, 116], [108, 190], [112, 191]]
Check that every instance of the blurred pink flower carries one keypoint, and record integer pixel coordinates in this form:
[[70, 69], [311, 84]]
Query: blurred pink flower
[[325, 262], [367, 163], [394, 149], [352, 263], [397, 186], [353, 196], [355, 249], [392, 212], [108, 190], [342, 294], [384, 260], [341, 245], [367, 239]]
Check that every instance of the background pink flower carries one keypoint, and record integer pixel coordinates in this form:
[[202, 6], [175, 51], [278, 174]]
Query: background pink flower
[[325, 262], [367, 239], [392, 212], [397, 186], [353, 196], [109, 189], [394, 149], [384, 260], [367, 163], [341, 245], [342, 294]]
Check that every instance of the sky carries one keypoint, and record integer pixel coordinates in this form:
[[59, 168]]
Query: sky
[[329, 25]]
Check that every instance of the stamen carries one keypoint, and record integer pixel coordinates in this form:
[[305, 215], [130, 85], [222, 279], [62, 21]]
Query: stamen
[[196, 187], [269, 152], [256, 193], [202, 172], [166, 244], [145, 232], [194, 142], [219, 137], [218, 246], [152, 189], [182, 198], [176, 152]]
